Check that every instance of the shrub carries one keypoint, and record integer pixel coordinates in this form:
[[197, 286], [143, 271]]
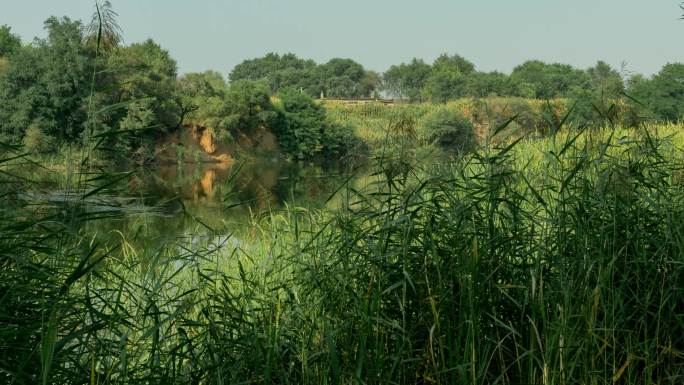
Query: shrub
[[299, 132], [493, 112], [304, 131], [35, 140], [402, 128], [339, 140], [450, 129]]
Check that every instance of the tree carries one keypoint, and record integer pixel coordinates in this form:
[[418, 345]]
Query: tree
[[406, 81], [137, 123], [185, 103], [22, 97], [448, 78], [304, 79], [531, 75], [444, 83], [640, 91], [248, 106], [68, 65], [203, 95], [484, 84], [342, 78], [664, 94], [371, 83], [9, 42], [596, 102], [263, 67], [279, 72], [456, 62], [46, 84], [338, 78], [606, 80], [145, 70], [545, 81]]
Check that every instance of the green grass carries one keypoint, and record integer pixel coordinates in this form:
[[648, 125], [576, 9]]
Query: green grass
[[547, 261]]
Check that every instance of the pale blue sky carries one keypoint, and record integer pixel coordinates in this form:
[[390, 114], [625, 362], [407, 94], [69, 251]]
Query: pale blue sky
[[494, 34]]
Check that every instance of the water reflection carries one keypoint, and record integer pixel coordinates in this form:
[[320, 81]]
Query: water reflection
[[258, 186], [194, 197]]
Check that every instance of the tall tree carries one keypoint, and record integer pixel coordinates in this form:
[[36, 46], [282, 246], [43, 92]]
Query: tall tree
[[456, 62], [371, 83], [9, 42], [448, 78], [445, 83], [300, 133], [279, 71], [665, 93], [45, 84], [537, 79], [483, 84], [143, 83], [248, 106], [406, 81], [605, 79], [204, 95], [341, 78]]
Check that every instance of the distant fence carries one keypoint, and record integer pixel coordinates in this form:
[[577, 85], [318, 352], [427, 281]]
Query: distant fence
[[359, 101]]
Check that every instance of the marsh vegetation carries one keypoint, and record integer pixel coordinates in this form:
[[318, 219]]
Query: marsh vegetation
[[482, 229]]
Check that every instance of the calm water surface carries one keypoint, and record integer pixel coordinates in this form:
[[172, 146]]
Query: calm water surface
[[190, 199]]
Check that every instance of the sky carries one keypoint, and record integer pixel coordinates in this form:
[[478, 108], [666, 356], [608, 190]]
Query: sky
[[493, 34]]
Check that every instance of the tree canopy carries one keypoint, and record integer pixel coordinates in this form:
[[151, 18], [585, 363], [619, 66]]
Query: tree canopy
[[337, 78], [407, 81], [46, 83], [9, 42]]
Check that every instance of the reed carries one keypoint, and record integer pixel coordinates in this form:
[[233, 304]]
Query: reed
[[544, 261]]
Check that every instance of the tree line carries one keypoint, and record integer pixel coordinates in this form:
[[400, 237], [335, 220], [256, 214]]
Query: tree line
[[81, 83], [452, 77]]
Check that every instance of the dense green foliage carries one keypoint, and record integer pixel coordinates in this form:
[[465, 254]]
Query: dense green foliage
[[9, 42], [50, 86], [406, 81], [300, 135], [594, 89], [342, 77], [338, 78], [46, 84], [448, 79], [280, 71], [50, 96], [249, 106], [450, 129], [305, 132], [663, 95], [143, 83]]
